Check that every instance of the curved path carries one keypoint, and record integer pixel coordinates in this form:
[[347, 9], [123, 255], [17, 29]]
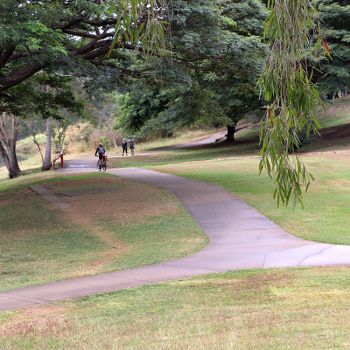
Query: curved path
[[240, 238]]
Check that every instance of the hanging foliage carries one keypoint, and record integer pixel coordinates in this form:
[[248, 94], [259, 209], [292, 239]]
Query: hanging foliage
[[141, 23], [293, 32]]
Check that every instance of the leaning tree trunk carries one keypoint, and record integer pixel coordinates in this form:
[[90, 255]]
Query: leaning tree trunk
[[8, 141], [47, 159], [231, 129]]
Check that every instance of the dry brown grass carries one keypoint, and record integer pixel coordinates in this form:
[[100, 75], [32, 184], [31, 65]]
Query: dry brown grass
[[38, 321], [111, 200]]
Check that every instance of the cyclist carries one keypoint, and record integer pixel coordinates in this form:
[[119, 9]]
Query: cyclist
[[100, 152]]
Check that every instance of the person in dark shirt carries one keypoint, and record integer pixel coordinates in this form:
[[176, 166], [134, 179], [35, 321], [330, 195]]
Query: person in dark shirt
[[100, 152], [125, 147]]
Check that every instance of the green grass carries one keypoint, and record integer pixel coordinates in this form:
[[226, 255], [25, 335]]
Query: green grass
[[181, 137], [336, 113], [325, 217], [185, 155], [37, 246], [112, 224], [156, 240], [279, 309]]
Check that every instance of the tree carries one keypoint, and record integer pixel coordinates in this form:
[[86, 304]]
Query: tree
[[334, 76], [57, 98], [228, 58], [212, 74], [40, 34], [66, 36], [20, 104], [8, 138]]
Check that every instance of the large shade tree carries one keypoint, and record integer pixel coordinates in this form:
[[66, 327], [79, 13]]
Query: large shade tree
[[67, 36], [217, 57], [37, 34]]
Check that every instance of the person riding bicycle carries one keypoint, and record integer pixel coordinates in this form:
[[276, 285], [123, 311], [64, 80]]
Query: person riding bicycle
[[101, 153]]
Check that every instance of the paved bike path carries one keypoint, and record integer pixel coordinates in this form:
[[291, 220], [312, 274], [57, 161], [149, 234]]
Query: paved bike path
[[240, 238]]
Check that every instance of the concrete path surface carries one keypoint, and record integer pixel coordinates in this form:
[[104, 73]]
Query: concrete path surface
[[240, 238]]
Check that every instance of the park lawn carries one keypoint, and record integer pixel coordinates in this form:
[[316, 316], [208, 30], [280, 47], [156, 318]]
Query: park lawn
[[112, 224], [325, 217], [175, 156], [335, 113], [257, 309], [180, 137]]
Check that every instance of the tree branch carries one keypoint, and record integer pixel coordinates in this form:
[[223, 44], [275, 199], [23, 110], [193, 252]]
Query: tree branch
[[6, 55], [20, 75], [85, 34]]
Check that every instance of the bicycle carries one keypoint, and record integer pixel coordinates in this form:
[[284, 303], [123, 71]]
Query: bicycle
[[102, 163]]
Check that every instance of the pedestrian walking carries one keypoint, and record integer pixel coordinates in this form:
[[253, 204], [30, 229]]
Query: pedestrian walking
[[125, 148], [132, 146]]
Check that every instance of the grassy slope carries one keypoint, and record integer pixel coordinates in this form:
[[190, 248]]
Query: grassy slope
[[325, 217], [181, 137], [279, 309], [102, 231]]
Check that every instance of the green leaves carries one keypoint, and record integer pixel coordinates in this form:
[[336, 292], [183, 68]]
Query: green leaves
[[293, 98], [140, 23]]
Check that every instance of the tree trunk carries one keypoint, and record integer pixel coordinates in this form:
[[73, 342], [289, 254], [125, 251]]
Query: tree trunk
[[231, 129], [8, 141], [36, 142], [47, 159]]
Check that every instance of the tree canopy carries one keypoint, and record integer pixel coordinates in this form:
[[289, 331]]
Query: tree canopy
[[217, 57], [39, 34]]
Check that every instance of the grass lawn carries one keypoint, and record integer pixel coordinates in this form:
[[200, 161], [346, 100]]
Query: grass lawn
[[335, 113], [185, 155], [181, 137], [325, 217], [112, 224], [279, 309]]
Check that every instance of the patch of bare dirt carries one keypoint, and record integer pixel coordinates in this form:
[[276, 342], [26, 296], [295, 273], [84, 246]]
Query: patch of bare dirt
[[4, 202], [119, 201], [266, 280], [42, 320], [124, 201], [12, 197], [255, 283]]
